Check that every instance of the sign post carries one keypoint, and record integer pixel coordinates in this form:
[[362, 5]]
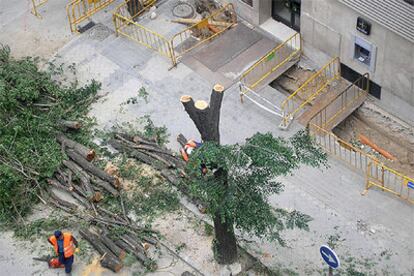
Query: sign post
[[329, 256]]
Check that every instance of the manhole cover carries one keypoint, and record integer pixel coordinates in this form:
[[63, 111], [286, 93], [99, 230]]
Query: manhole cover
[[183, 10]]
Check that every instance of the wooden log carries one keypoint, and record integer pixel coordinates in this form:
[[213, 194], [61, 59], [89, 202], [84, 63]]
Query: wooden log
[[90, 168], [75, 125], [82, 200], [88, 154], [155, 151], [131, 250], [137, 139], [109, 260], [81, 174], [105, 185], [136, 154], [109, 213], [159, 158], [84, 179], [181, 139], [63, 202], [133, 242], [119, 252]]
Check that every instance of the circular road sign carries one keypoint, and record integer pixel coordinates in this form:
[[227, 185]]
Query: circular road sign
[[329, 256]]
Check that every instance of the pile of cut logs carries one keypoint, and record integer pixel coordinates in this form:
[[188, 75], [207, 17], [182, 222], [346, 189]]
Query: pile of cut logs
[[77, 187], [168, 164]]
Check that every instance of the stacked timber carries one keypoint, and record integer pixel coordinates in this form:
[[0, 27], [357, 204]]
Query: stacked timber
[[81, 185]]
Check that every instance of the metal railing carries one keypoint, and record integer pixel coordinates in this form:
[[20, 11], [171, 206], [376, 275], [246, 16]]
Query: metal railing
[[79, 10], [325, 118], [377, 174], [317, 84], [388, 180], [340, 149], [269, 63], [35, 5], [124, 20], [207, 29]]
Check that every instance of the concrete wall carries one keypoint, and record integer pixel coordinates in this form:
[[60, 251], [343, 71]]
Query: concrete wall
[[328, 29], [259, 13]]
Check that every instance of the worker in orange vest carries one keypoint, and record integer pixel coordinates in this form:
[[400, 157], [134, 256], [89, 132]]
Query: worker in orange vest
[[65, 246], [188, 149]]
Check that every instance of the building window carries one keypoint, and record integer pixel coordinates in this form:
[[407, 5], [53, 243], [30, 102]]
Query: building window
[[248, 2], [364, 53]]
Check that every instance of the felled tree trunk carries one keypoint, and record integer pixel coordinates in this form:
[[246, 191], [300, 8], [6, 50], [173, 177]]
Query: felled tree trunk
[[109, 260], [88, 154], [93, 170], [75, 125], [207, 119]]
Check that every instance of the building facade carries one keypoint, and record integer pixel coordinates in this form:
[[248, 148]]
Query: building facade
[[374, 36]]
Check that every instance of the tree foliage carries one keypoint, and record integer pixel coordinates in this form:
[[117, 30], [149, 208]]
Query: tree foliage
[[32, 105], [241, 194]]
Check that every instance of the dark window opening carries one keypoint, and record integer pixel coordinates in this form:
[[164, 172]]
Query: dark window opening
[[287, 12], [248, 2], [351, 75]]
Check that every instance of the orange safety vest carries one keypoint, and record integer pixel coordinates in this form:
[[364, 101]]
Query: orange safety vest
[[188, 148], [68, 246]]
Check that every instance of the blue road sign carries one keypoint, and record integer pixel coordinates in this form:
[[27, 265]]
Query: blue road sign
[[329, 256], [410, 185]]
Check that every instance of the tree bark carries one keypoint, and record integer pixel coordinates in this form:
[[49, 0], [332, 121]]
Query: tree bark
[[207, 120], [88, 154], [93, 170], [104, 185], [109, 260], [75, 125], [119, 252], [131, 250]]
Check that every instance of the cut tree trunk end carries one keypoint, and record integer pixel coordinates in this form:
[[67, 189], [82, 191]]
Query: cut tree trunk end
[[88, 154]]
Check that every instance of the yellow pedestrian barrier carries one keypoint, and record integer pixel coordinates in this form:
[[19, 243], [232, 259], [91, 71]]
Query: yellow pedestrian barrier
[[79, 10], [388, 180], [35, 5], [377, 174], [124, 19], [308, 91], [277, 57], [177, 41], [126, 15]]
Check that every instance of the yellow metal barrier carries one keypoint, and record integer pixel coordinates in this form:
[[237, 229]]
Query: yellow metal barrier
[[180, 42], [35, 5], [353, 93], [269, 63], [124, 21], [79, 10], [341, 149], [389, 180], [377, 174], [308, 91]]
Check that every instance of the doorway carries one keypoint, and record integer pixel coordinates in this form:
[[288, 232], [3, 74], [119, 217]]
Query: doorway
[[287, 12]]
